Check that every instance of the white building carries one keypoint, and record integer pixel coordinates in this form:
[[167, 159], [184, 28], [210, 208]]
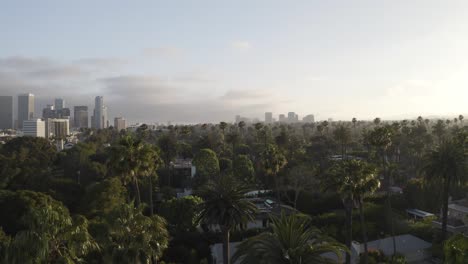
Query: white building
[[120, 123], [34, 128]]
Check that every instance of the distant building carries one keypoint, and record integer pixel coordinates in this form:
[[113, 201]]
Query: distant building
[[100, 113], [268, 117], [120, 123], [457, 221], [34, 128], [59, 103], [80, 116], [51, 112], [57, 128], [308, 119], [25, 108], [282, 118], [6, 112]]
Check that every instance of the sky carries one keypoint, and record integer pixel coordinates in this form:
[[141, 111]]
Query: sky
[[208, 60]]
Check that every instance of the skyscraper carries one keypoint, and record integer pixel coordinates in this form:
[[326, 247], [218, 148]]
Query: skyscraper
[[59, 103], [6, 112], [25, 108], [268, 117], [57, 128], [100, 113], [80, 116], [120, 123]]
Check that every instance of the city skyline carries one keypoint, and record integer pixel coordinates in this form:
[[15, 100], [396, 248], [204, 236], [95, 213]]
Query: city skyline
[[396, 60]]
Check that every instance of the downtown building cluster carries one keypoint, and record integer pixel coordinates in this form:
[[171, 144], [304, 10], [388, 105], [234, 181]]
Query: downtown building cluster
[[56, 120], [291, 117]]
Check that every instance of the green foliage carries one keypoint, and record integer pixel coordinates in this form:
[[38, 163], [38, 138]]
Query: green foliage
[[292, 241], [45, 232], [456, 249], [243, 169], [128, 236], [181, 213], [24, 162], [207, 165], [103, 197]]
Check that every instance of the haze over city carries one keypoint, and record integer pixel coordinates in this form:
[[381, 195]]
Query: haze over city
[[207, 61]]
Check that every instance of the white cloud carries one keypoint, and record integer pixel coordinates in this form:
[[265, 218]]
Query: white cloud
[[241, 45]]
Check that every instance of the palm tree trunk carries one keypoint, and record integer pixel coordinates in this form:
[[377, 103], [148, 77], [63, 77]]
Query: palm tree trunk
[[226, 258], [349, 229], [445, 207], [151, 195], [137, 192], [364, 230]]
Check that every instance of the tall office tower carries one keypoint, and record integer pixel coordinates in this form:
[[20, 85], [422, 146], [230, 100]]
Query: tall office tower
[[282, 118], [98, 115], [6, 112], [59, 103], [238, 118], [25, 108], [120, 123], [105, 119], [57, 128], [291, 117], [34, 128], [268, 117], [80, 116], [308, 119]]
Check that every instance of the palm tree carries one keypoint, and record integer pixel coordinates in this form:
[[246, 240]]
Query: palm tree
[[273, 161], [353, 180], [446, 164], [377, 121], [132, 159], [222, 126], [439, 130], [292, 241], [225, 206], [343, 136], [460, 117]]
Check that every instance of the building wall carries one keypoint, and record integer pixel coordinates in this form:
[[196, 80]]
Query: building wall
[[34, 128], [25, 108], [6, 112], [80, 116]]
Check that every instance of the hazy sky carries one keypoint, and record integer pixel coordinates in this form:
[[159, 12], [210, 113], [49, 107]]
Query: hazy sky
[[200, 61]]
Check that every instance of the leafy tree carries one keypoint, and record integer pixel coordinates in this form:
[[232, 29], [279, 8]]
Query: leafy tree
[[225, 206], [128, 236], [182, 213], [103, 197], [207, 165], [243, 169], [292, 241], [25, 162], [456, 249], [42, 231], [167, 143], [298, 179], [446, 165]]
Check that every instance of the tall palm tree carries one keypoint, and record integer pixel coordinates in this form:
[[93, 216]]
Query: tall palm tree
[[292, 241], [273, 161], [381, 138], [225, 206], [343, 136], [353, 180], [132, 159], [447, 164]]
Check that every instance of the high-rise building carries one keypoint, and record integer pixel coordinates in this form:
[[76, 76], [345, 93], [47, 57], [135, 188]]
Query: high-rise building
[[59, 103], [57, 128], [100, 113], [120, 123], [282, 118], [25, 108], [80, 116], [34, 128], [268, 117], [6, 112], [308, 119], [291, 117]]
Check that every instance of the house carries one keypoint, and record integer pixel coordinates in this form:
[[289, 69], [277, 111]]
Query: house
[[217, 252], [413, 248], [418, 214], [457, 221]]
